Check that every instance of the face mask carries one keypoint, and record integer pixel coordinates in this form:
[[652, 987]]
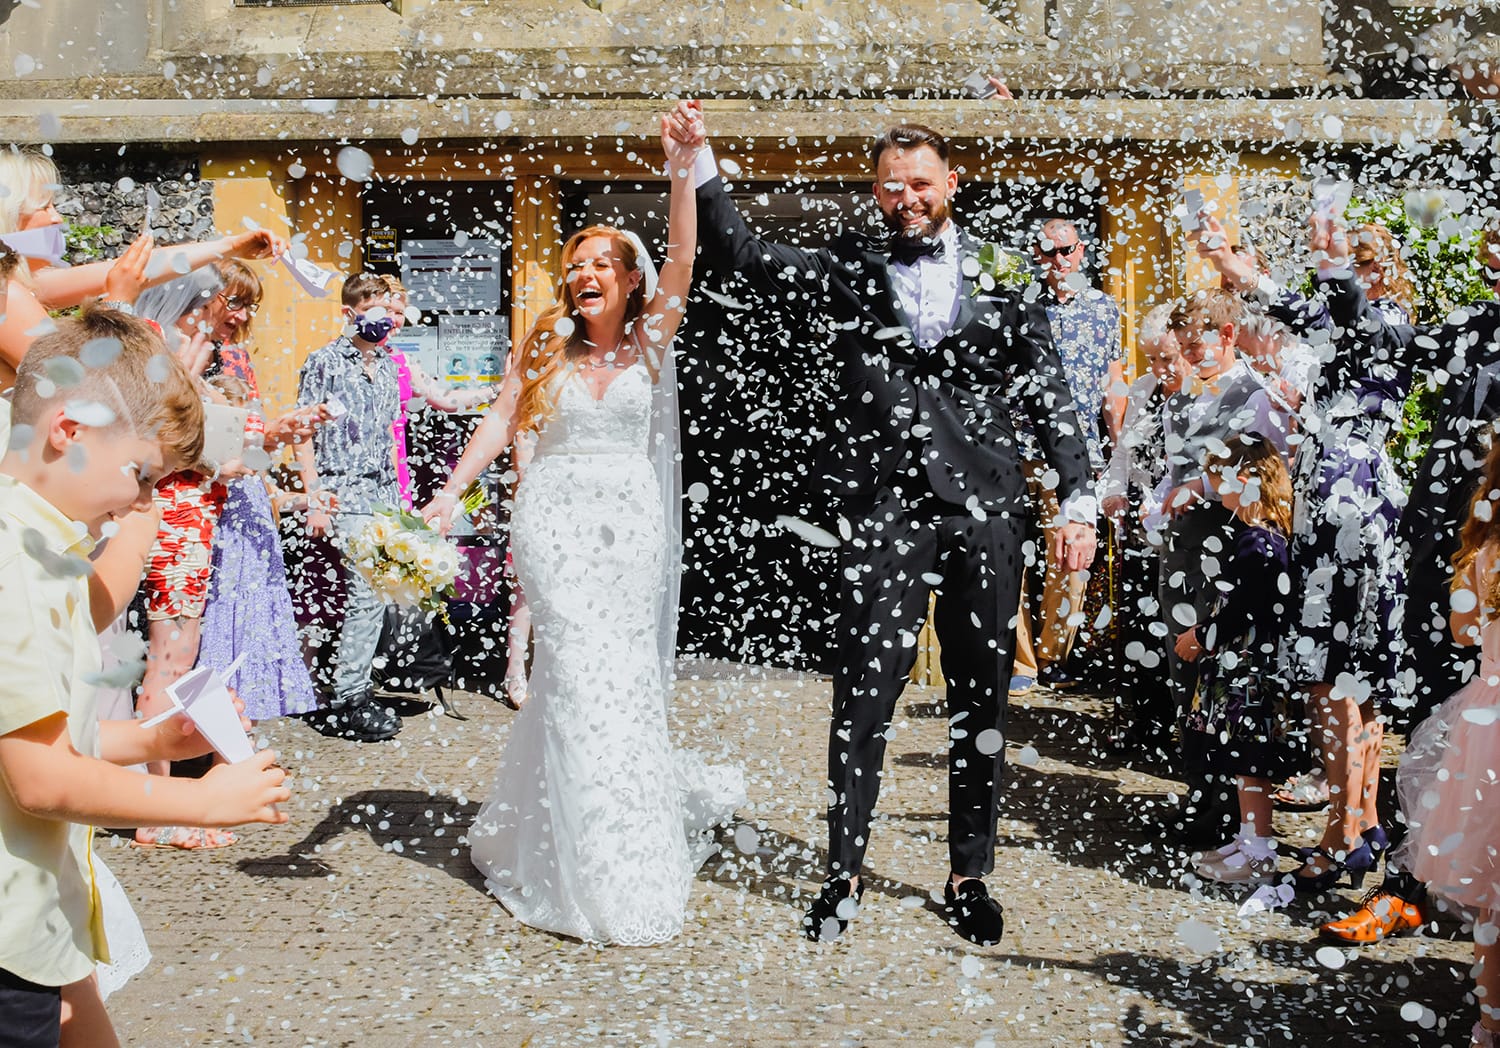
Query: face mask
[[44, 243], [373, 330]]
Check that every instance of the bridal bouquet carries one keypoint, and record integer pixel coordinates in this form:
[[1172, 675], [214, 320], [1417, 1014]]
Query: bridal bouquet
[[405, 561]]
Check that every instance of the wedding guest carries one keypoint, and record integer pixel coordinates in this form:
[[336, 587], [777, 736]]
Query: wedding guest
[[58, 762], [1447, 776], [1136, 466], [1086, 331], [1287, 370], [1199, 529], [417, 387], [352, 457], [205, 317], [247, 615], [1341, 650], [1465, 350], [31, 222], [1239, 713]]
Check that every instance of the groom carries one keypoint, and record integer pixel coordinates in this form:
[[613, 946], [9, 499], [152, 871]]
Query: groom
[[924, 460]]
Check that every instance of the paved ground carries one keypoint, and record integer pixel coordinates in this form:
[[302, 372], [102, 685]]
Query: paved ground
[[362, 922]]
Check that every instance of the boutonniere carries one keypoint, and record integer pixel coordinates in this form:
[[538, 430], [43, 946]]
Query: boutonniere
[[994, 267]]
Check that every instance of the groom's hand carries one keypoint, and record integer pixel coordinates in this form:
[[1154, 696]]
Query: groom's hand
[[685, 124], [1074, 547]]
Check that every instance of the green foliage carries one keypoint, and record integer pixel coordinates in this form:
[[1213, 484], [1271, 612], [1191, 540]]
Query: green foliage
[[87, 243], [1444, 266], [1001, 268], [1446, 274]]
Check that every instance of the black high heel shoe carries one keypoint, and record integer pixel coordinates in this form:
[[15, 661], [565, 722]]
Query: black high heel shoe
[[1356, 864], [1375, 837]]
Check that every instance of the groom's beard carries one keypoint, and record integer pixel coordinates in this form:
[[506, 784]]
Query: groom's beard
[[928, 230]]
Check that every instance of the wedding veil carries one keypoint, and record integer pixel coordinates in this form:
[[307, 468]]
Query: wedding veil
[[666, 458]]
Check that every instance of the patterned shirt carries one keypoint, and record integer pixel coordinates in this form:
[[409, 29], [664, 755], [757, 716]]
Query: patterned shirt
[[1086, 331], [353, 452]]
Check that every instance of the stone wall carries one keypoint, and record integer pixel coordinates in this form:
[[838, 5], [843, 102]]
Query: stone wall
[[105, 216]]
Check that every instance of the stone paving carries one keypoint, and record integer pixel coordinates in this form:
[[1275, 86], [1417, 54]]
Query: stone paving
[[361, 922]]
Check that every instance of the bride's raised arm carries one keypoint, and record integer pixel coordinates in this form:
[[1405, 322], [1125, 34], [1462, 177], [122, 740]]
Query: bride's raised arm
[[493, 435], [661, 316]]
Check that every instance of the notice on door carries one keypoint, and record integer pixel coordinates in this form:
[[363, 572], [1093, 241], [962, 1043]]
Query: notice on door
[[462, 274], [473, 349]]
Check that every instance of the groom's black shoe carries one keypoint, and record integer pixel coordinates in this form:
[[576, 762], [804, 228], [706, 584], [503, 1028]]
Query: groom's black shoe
[[829, 915], [972, 913], [364, 721]]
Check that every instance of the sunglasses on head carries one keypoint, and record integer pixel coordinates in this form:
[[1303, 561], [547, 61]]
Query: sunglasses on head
[[1060, 249]]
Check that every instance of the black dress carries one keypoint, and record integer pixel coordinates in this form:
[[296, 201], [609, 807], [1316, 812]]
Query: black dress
[[1239, 718]]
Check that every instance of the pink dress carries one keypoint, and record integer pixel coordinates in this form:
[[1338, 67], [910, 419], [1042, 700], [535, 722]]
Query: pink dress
[[1449, 781], [398, 428]]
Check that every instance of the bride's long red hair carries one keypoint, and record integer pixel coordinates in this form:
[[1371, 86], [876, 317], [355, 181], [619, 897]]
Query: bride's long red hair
[[545, 352]]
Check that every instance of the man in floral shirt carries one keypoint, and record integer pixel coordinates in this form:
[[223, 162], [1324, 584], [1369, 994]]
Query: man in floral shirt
[[1086, 332], [352, 459]]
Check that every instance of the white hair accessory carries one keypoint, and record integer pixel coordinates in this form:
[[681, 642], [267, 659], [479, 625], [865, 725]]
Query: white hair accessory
[[643, 263]]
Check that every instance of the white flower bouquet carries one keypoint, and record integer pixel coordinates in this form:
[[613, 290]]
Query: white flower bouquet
[[405, 561]]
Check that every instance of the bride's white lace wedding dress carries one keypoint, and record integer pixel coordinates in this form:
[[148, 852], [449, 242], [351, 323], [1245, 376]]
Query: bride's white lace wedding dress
[[596, 825]]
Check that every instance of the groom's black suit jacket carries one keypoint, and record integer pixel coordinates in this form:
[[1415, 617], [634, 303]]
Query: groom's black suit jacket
[[949, 404]]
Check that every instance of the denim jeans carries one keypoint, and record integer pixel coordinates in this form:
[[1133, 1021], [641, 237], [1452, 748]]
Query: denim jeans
[[364, 615]]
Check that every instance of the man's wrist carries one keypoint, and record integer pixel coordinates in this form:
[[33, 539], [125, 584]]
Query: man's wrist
[[705, 168]]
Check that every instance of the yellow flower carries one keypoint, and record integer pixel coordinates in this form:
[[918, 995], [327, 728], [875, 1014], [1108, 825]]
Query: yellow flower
[[403, 547], [381, 530]]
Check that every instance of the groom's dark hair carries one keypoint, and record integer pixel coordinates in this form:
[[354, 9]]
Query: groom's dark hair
[[909, 136]]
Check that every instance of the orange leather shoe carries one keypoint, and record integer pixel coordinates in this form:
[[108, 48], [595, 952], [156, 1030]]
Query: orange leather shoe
[[1380, 915]]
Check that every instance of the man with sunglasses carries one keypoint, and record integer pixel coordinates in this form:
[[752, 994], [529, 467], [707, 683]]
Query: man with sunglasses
[[1086, 331]]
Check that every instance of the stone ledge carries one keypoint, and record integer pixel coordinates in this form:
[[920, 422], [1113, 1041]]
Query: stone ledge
[[1288, 123]]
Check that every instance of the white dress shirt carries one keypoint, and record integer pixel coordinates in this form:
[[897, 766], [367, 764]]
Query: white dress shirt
[[928, 290]]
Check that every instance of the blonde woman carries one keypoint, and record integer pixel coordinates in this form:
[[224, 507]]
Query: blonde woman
[[31, 225], [594, 827]]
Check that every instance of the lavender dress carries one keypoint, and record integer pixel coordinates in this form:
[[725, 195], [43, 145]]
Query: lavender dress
[[249, 609]]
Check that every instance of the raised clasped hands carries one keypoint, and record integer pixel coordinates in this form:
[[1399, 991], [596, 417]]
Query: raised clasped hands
[[684, 132], [1187, 645]]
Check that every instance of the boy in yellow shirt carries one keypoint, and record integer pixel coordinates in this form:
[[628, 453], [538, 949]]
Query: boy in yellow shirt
[[99, 413]]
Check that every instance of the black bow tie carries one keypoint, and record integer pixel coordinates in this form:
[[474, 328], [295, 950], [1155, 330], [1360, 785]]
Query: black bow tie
[[907, 250]]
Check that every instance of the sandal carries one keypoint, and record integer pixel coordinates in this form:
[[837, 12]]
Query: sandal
[[187, 838], [1306, 792]]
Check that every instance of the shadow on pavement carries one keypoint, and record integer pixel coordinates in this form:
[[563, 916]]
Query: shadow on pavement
[[781, 864], [427, 828], [1223, 1003]]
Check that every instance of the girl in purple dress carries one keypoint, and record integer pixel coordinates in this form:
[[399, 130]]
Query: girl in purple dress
[[249, 609]]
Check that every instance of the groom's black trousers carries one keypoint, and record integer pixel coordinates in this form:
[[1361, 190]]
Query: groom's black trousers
[[897, 553]]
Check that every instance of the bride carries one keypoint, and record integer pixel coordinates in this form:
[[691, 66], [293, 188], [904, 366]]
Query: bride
[[595, 825]]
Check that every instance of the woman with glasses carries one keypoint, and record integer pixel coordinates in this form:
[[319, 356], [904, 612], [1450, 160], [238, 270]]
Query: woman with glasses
[[205, 318], [32, 228]]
